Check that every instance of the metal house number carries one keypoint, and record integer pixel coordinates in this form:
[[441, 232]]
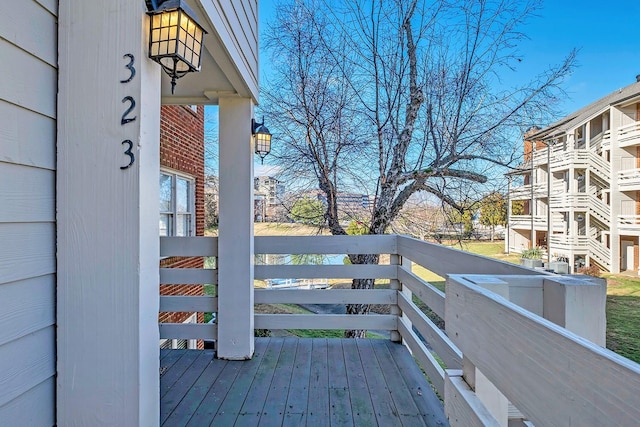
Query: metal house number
[[125, 115]]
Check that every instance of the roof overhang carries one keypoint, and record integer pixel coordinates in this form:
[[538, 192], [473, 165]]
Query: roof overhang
[[224, 71]]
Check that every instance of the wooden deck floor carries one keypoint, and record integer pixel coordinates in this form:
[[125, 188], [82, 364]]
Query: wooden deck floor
[[298, 382]]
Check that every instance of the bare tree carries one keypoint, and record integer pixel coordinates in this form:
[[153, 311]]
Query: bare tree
[[395, 97]]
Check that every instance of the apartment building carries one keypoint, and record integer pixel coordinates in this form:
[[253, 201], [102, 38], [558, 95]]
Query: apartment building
[[577, 193], [268, 197]]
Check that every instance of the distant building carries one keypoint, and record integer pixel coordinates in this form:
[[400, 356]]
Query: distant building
[[592, 160], [268, 196]]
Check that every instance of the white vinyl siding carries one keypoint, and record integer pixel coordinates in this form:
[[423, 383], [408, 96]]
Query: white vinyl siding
[[177, 206], [28, 41]]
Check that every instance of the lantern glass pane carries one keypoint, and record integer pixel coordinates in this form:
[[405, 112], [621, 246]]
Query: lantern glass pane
[[174, 17], [155, 35], [165, 19], [163, 48], [155, 22], [181, 50], [199, 35], [164, 34], [154, 49], [172, 46], [173, 31]]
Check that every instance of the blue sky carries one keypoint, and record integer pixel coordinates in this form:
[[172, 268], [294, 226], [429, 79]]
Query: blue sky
[[607, 34]]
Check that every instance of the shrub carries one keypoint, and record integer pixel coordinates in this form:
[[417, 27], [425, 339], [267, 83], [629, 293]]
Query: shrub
[[533, 253], [590, 271]]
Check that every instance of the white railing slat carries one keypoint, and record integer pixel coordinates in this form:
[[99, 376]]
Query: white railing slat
[[326, 296], [436, 338], [369, 244], [188, 304], [579, 382], [188, 276], [426, 292], [385, 322], [429, 363], [188, 331], [189, 246], [463, 405], [358, 271]]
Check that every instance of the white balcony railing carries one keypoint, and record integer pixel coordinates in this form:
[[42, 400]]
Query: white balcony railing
[[524, 222], [629, 223], [629, 135], [524, 192], [629, 179], [491, 308]]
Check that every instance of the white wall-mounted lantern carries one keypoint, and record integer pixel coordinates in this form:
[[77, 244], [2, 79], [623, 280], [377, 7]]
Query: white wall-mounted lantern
[[175, 38]]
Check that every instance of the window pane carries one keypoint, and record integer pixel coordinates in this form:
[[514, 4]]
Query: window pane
[[165, 193], [183, 225], [165, 225], [182, 195]]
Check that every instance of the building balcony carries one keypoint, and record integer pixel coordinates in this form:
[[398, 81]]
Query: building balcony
[[524, 222], [629, 180], [524, 192], [629, 223], [569, 243], [490, 308], [629, 135]]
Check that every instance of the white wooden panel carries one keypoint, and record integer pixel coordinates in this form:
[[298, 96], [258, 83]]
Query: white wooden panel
[[28, 82], [332, 296], [423, 355], [26, 362], [442, 260], [188, 246], [50, 5], [26, 307], [436, 338], [31, 27], [188, 276], [27, 194], [427, 293], [36, 407], [381, 244], [359, 271], [325, 321], [187, 331], [27, 137], [562, 379], [27, 250], [461, 406], [188, 304]]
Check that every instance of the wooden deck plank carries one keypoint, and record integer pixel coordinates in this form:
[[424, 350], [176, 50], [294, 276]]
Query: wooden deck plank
[[361, 404], [298, 396], [169, 357], [384, 407], [192, 399], [235, 398], [402, 399], [423, 395], [217, 392], [182, 386], [254, 403], [318, 409], [176, 372], [275, 404], [339, 398]]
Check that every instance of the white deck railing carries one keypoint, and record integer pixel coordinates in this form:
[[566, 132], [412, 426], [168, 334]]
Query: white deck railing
[[497, 348], [629, 134]]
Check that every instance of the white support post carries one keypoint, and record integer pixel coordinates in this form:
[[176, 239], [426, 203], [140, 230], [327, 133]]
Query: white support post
[[394, 259], [107, 217], [235, 240], [577, 305]]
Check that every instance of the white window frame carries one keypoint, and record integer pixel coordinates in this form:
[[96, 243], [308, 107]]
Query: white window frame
[[191, 202]]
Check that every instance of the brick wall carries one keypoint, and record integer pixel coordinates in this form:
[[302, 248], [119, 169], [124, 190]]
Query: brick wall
[[182, 150]]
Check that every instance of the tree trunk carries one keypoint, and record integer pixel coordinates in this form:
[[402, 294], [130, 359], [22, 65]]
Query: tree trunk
[[360, 284]]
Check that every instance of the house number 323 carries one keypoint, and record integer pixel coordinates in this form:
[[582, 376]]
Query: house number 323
[[130, 102]]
